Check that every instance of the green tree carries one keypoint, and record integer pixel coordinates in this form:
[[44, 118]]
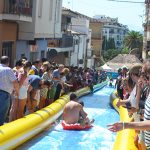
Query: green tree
[[110, 54], [125, 50], [111, 43], [133, 39], [104, 44], [108, 44]]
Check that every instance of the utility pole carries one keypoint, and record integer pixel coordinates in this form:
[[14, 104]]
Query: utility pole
[[146, 43]]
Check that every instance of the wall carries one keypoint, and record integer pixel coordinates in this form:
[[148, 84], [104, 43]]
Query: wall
[[42, 46], [8, 31], [90, 63], [75, 52], [22, 47], [97, 45], [96, 42], [47, 26], [79, 51], [81, 27], [42, 25], [96, 29], [1, 6], [27, 29], [82, 49], [80, 24]]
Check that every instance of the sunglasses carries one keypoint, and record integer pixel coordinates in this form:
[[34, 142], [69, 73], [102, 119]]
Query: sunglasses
[[143, 74]]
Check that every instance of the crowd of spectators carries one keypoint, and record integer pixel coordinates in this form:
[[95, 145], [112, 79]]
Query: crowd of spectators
[[31, 86], [133, 88]]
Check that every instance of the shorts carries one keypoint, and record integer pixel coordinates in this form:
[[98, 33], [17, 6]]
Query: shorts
[[23, 92], [51, 93]]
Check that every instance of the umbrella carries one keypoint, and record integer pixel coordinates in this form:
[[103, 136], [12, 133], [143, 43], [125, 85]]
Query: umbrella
[[106, 67], [124, 66]]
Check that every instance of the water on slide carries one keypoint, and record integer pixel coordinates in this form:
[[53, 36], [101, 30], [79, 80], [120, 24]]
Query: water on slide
[[97, 106]]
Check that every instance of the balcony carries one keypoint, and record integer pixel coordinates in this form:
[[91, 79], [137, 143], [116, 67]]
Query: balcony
[[17, 10], [65, 42]]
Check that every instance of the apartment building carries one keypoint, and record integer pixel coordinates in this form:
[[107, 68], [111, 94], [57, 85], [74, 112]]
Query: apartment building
[[146, 38], [35, 38], [97, 39], [38, 28], [27, 28], [113, 29], [77, 25]]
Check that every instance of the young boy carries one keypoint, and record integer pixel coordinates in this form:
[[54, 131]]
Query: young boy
[[74, 113]]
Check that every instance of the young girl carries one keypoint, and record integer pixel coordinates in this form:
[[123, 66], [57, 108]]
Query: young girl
[[23, 84]]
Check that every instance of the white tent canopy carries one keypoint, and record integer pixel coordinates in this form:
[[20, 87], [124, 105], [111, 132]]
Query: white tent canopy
[[106, 67]]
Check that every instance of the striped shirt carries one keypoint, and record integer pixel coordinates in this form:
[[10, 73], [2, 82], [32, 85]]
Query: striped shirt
[[7, 77], [147, 117]]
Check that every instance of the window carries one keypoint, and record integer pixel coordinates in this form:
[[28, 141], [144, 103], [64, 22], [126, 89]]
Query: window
[[118, 37], [76, 41], [33, 56], [42, 54], [111, 31], [7, 49], [40, 8]]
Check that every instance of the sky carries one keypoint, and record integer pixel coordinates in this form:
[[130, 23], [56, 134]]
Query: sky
[[130, 14]]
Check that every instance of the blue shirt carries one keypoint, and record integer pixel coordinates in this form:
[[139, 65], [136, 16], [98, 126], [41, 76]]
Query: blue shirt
[[7, 77], [34, 81], [56, 73]]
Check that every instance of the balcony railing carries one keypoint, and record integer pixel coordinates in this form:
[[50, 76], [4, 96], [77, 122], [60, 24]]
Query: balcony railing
[[65, 42], [18, 7]]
